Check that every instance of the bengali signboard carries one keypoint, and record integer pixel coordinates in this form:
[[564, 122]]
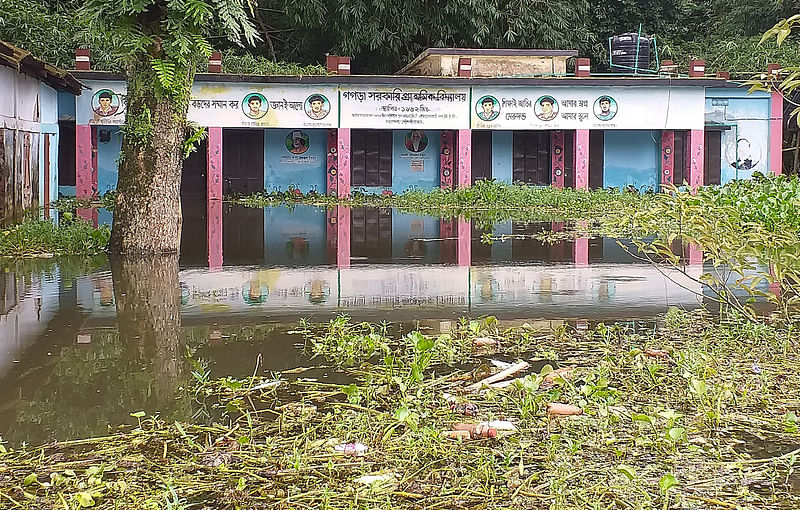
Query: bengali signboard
[[264, 105], [103, 104], [407, 107], [640, 107]]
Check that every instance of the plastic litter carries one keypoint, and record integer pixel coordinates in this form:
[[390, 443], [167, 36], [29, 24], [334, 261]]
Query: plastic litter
[[351, 448], [465, 408], [558, 409]]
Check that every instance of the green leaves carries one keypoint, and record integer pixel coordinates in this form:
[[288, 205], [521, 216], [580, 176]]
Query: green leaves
[[667, 482]]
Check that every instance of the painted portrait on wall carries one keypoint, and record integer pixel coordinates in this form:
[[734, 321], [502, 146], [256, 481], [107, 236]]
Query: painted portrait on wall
[[546, 108], [317, 106], [416, 140], [605, 108], [297, 142], [487, 108], [255, 105], [105, 103]]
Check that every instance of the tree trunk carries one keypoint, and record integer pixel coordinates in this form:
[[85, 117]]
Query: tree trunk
[[147, 294], [147, 212]]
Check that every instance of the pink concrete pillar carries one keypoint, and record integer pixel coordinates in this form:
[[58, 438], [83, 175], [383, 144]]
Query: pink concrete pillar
[[580, 149], [214, 233], [446, 161], [557, 159], [86, 169], [84, 173], [464, 242], [667, 157], [696, 151], [342, 236], [695, 255], [464, 158], [214, 164], [775, 124], [775, 286], [343, 158]]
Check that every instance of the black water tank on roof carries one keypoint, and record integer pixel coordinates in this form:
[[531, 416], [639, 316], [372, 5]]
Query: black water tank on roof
[[623, 52]]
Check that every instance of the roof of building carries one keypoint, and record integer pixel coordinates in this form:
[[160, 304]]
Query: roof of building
[[368, 79], [487, 52], [24, 62]]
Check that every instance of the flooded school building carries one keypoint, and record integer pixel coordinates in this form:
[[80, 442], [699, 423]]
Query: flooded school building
[[450, 117]]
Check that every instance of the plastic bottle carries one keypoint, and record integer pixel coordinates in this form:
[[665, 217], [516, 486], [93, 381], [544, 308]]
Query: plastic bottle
[[476, 430]]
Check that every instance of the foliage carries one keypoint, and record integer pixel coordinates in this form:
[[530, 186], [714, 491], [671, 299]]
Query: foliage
[[789, 82], [749, 232], [236, 62], [742, 56], [488, 201], [708, 422], [52, 33], [37, 238]]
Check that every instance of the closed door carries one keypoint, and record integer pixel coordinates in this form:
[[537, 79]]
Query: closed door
[[531, 162], [481, 155], [242, 161]]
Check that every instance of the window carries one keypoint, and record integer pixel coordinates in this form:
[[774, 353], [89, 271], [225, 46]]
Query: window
[[370, 158]]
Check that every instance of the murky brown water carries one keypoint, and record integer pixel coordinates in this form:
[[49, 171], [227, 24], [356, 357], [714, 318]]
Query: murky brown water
[[85, 343]]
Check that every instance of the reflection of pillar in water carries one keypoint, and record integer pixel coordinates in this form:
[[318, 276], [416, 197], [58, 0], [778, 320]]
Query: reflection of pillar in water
[[342, 236], [464, 242], [581, 246], [214, 233]]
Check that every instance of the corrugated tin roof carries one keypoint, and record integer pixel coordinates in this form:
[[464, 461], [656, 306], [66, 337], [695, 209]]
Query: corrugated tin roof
[[24, 62]]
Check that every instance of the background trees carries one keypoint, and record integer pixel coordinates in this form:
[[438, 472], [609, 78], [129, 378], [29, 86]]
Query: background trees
[[383, 35]]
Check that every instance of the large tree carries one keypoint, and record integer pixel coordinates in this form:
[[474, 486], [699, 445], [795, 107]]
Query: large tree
[[160, 45]]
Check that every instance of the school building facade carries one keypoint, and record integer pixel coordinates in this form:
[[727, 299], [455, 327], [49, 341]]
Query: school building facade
[[453, 116]]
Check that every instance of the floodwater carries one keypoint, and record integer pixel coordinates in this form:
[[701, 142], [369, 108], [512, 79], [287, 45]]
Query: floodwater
[[85, 343]]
